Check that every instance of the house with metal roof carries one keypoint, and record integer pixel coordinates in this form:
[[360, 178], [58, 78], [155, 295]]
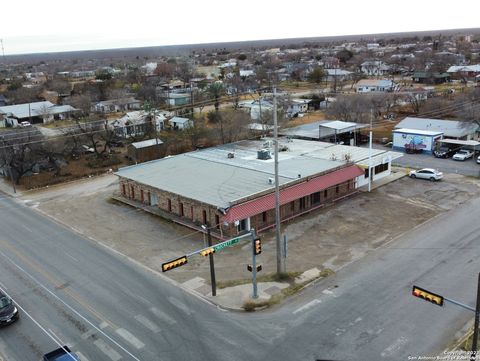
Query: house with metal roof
[[425, 77], [180, 123], [375, 85], [464, 71], [37, 112], [450, 128], [117, 105], [231, 187]]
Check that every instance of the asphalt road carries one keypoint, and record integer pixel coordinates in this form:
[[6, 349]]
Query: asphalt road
[[108, 308], [103, 306], [367, 311]]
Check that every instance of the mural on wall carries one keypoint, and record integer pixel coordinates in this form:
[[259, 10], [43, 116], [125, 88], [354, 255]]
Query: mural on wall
[[414, 141]]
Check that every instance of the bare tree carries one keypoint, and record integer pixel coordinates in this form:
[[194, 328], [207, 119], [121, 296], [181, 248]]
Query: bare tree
[[21, 154], [45, 112], [82, 102]]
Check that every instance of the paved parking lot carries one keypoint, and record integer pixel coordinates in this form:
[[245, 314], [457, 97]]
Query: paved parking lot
[[328, 238], [416, 161]]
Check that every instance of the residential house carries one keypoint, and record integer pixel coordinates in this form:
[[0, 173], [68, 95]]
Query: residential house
[[374, 67], [296, 107], [375, 85], [466, 72], [180, 123], [256, 107], [337, 75], [139, 123], [38, 112], [117, 105], [425, 77]]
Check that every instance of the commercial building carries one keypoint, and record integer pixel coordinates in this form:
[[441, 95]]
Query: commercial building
[[231, 187], [415, 141], [451, 129]]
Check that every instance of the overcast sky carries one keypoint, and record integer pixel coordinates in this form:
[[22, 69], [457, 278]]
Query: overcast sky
[[28, 26]]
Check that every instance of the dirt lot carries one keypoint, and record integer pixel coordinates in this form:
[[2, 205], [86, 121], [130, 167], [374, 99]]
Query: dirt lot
[[328, 238]]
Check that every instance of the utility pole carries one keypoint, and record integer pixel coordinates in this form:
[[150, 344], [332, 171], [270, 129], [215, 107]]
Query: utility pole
[[280, 258], [212, 265], [370, 154], [475, 326]]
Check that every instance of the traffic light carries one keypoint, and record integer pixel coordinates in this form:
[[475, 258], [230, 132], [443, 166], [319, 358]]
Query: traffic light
[[207, 251], [257, 246], [427, 295], [174, 264], [250, 268]]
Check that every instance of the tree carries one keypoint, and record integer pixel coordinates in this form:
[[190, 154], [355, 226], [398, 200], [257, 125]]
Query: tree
[[21, 153], [316, 76], [82, 102], [216, 90], [344, 56], [45, 112], [165, 70]]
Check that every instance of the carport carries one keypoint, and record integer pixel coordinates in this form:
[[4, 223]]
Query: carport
[[471, 144]]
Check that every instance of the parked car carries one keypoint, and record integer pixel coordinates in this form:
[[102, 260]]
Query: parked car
[[478, 159], [444, 152], [463, 154], [427, 173], [8, 311], [24, 124]]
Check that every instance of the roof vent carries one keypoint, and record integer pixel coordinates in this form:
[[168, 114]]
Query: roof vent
[[299, 175], [231, 155], [263, 154], [271, 181]]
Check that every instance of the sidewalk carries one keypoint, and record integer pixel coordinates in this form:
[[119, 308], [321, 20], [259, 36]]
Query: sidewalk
[[6, 187], [239, 297], [397, 173]]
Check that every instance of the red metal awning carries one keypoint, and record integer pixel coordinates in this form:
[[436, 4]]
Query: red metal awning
[[267, 202]]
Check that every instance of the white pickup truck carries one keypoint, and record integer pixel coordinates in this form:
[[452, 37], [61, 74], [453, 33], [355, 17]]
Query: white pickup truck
[[463, 154]]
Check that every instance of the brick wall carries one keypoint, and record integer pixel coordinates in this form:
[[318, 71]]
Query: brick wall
[[198, 213]]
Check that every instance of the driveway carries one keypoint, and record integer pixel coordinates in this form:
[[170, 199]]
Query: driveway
[[328, 238]]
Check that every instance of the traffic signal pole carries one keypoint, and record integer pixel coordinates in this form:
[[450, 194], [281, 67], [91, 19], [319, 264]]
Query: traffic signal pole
[[254, 265]]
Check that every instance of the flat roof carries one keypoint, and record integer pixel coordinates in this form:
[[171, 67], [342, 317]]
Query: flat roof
[[417, 131], [225, 175], [322, 128], [472, 143], [450, 128]]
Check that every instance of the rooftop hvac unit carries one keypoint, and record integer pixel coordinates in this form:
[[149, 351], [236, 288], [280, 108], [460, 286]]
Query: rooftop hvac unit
[[271, 181], [231, 155], [263, 154]]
